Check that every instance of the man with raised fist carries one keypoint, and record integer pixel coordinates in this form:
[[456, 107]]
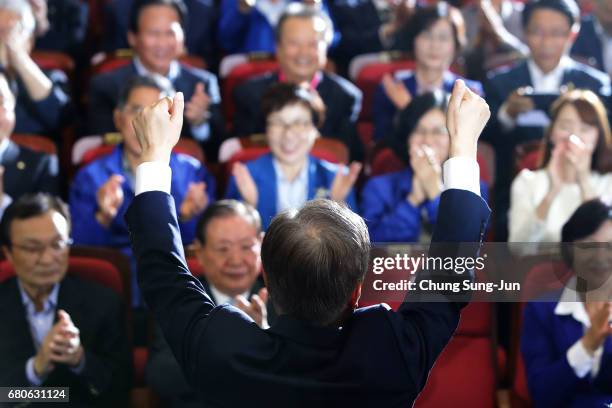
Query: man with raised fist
[[314, 263]]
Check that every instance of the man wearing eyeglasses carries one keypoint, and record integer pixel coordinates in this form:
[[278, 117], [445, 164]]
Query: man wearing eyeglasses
[[57, 331], [520, 96]]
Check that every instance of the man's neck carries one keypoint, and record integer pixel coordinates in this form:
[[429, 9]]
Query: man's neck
[[37, 294], [296, 79], [163, 72]]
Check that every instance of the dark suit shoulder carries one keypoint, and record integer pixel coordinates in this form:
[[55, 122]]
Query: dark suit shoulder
[[504, 73], [198, 73], [588, 72], [8, 290], [342, 84], [90, 292]]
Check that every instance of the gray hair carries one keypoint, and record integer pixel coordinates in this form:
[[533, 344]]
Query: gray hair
[[323, 23]]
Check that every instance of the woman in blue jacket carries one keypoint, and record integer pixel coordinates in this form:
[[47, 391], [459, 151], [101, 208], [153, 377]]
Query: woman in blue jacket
[[566, 342], [403, 206], [289, 175]]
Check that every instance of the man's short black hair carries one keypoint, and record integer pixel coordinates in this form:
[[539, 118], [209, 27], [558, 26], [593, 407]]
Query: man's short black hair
[[139, 5], [226, 208], [568, 8], [301, 10], [138, 82], [313, 259], [30, 206]]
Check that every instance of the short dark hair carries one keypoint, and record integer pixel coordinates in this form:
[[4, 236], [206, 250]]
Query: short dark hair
[[301, 10], [407, 120], [313, 259], [30, 206], [568, 8], [138, 81], [586, 220], [283, 94], [139, 5], [425, 17], [226, 208]]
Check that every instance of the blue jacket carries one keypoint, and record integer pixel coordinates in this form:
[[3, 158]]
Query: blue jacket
[[545, 339], [245, 33], [83, 204], [320, 176], [588, 45], [384, 111], [387, 213], [380, 358]]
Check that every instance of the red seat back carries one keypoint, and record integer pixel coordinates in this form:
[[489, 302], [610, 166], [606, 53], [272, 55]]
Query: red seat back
[[91, 269]]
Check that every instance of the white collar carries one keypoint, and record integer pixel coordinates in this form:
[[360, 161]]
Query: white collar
[[173, 72], [537, 76], [570, 304], [4, 145], [221, 298]]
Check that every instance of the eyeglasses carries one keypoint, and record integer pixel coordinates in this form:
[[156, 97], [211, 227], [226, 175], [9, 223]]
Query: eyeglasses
[[37, 250], [297, 126]]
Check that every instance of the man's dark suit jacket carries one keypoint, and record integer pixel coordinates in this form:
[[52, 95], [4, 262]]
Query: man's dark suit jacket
[[105, 89], [342, 102], [359, 24], [45, 117], [199, 36], [379, 358], [97, 312], [588, 46], [502, 83], [163, 373], [27, 171]]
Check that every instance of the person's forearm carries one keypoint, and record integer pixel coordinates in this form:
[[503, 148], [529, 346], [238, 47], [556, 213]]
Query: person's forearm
[[36, 82], [586, 188], [544, 206]]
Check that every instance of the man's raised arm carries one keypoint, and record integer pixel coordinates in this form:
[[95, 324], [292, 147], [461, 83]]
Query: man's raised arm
[[177, 299], [427, 320]]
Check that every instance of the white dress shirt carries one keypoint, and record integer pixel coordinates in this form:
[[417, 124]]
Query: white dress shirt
[[527, 192], [291, 194]]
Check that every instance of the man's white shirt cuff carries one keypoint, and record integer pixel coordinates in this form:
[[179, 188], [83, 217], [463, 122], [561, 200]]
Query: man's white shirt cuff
[[461, 173], [505, 119], [153, 176]]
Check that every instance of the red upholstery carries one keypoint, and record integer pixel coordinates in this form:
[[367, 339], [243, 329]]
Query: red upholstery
[[238, 75], [528, 155], [184, 146], [49, 60], [140, 356], [194, 267], [97, 270], [463, 376], [37, 143], [370, 76]]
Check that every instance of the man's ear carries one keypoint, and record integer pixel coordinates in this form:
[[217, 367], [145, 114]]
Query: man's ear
[[131, 37], [354, 301], [118, 119], [7, 253]]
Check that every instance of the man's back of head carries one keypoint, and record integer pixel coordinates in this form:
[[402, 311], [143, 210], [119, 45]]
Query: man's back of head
[[315, 260]]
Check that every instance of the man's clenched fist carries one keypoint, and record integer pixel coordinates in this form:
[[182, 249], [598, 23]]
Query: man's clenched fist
[[158, 128], [466, 117]]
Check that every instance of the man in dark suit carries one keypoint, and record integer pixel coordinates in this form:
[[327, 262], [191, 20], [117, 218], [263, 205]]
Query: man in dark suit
[[520, 96], [366, 26], [594, 41], [157, 38], [199, 35], [228, 250], [21, 170], [314, 263], [57, 330], [43, 101], [303, 36]]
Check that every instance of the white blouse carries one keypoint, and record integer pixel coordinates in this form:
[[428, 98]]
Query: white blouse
[[528, 191]]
